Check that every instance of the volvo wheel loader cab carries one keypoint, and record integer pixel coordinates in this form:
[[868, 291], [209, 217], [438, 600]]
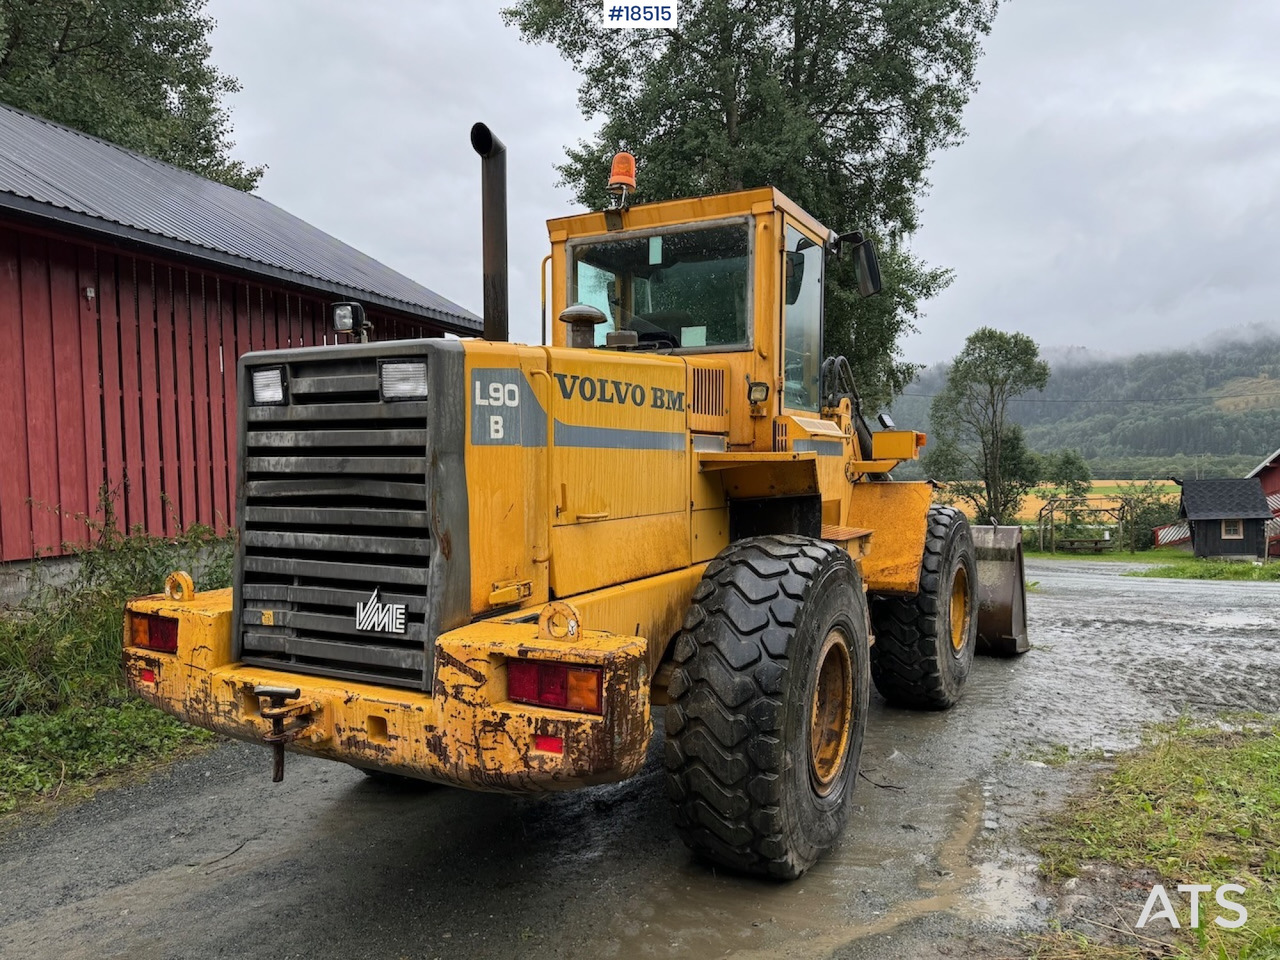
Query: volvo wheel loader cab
[[482, 564]]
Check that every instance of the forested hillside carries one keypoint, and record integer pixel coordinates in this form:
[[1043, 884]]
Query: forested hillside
[[1214, 412]]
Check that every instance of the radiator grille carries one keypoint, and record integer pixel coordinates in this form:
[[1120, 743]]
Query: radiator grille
[[781, 442], [708, 392], [708, 403], [334, 510]]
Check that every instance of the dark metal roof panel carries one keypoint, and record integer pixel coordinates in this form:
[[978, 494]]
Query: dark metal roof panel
[[98, 181], [1224, 500]]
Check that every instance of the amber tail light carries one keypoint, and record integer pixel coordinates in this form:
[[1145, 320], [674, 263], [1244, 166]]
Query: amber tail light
[[153, 632]]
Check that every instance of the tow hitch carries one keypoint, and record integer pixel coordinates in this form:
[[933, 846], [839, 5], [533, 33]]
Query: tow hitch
[[280, 710]]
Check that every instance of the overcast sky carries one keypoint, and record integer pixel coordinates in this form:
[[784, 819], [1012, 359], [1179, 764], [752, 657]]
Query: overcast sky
[[1119, 187]]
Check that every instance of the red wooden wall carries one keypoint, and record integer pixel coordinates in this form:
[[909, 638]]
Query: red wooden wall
[[134, 388], [1270, 477]]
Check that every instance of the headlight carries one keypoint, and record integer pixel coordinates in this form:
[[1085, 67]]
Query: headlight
[[347, 317], [268, 385], [403, 379]]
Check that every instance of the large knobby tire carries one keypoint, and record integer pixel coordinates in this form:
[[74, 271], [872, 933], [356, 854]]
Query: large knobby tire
[[768, 705], [924, 644]]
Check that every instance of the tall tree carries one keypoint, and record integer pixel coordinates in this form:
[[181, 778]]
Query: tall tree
[[838, 103], [135, 72], [975, 443], [1066, 474]]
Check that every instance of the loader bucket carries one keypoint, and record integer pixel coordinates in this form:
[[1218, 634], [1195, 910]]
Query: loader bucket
[[1002, 591]]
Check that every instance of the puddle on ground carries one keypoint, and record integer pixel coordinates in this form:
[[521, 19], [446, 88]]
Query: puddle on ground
[[1112, 654], [833, 905]]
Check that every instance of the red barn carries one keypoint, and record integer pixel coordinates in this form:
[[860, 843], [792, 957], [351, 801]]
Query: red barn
[[1268, 471], [128, 290]]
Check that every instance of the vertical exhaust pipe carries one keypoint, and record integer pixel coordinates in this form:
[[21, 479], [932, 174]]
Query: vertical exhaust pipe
[[493, 193]]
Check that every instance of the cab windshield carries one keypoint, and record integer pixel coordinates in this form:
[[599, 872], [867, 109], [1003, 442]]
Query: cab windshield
[[684, 288]]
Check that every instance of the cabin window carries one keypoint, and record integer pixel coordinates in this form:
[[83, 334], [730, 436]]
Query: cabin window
[[802, 264], [680, 289], [1232, 529]]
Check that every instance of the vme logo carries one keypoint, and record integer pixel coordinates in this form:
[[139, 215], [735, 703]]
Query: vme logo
[[375, 617]]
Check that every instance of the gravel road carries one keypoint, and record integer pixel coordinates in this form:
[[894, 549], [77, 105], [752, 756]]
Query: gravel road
[[208, 858]]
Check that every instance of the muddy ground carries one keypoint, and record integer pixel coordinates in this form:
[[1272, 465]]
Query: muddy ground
[[210, 859]]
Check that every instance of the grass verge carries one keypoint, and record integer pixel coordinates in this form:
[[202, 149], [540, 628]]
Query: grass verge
[[56, 755], [66, 718], [1189, 568], [1156, 555], [1195, 804]]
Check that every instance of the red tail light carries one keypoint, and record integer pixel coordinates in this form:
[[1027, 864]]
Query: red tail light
[[152, 632], [548, 744], [555, 685]]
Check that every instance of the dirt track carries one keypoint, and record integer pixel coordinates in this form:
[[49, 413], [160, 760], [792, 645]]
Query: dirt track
[[210, 859]]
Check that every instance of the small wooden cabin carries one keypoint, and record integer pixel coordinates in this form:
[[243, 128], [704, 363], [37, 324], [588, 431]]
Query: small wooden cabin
[[1228, 518]]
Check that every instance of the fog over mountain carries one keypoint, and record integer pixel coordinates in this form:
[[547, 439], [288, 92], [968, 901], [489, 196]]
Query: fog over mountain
[[1208, 411]]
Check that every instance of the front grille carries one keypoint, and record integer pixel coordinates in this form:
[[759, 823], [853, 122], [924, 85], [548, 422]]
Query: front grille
[[334, 510]]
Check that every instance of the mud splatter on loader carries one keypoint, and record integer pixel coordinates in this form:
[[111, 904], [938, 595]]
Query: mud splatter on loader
[[481, 563]]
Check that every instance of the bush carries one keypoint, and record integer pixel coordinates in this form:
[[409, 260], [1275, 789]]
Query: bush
[[1153, 506], [61, 645]]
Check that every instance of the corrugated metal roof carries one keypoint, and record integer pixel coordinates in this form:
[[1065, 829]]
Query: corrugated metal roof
[[1172, 533], [1264, 464], [1224, 500], [51, 171]]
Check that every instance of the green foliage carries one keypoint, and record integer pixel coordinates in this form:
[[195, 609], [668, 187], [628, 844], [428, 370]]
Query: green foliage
[[134, 72], [1153, 506], [976, 444], [1207, 413], [1176, 465], [41, 753], [1196, 804], [1193, 568], [838, 103], [61, 645], [65, 715], [1067, 474]]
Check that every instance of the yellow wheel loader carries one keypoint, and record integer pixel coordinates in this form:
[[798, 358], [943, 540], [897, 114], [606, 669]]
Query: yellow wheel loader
[[484, 564]]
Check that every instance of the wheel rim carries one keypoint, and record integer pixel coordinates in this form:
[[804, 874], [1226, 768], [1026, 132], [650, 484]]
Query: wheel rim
[[832, 715], [959, 609]]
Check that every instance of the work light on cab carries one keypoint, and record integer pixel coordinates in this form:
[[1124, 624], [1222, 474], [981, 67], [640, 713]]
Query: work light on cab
[[350, 318]]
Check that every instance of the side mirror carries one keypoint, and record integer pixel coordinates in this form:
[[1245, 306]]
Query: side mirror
[[867, 267], [865, 263], [795, 276]]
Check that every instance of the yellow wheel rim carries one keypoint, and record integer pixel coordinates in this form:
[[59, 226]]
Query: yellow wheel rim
[[959, 609], [832, 715]]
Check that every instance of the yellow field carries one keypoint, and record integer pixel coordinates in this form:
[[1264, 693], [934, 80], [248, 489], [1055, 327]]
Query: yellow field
[[1101, 488]]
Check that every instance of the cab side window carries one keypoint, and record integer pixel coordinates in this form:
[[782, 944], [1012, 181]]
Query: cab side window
[[802, 265]]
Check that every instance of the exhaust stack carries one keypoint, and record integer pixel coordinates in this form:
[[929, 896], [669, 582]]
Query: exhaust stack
[[493, 193]]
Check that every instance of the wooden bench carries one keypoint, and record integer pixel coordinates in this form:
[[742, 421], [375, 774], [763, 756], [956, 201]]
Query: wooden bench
[[1083, 544]]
